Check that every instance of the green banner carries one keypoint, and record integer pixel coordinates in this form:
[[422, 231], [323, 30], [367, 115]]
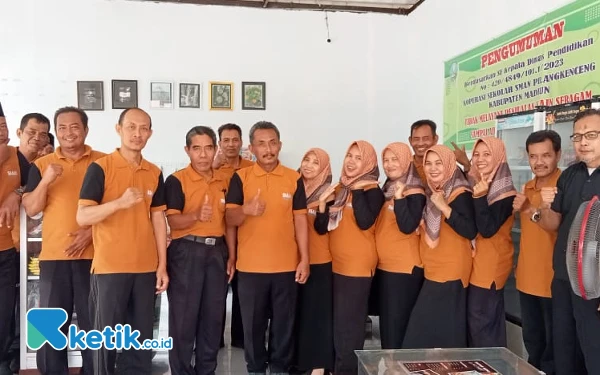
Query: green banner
[[549, 61]]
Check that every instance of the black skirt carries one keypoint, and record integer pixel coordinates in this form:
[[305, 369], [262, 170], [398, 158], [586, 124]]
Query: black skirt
[[315, 320], [439, 318]]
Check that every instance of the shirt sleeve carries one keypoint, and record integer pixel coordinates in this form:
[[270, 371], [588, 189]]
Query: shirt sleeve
[[462, 218], [235, 194], [489, 219], [174, 195], [322, 219], [92, 189], [158, 199], [409, 212], [24, 167], [35, 176], [557, 204], [299, 202], [366, 205]]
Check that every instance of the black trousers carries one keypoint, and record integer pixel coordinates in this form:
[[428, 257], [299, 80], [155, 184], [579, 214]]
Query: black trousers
[[123, 298], [536, 316], [398, 293], [8, 282], [576, 327], [65, 284], [314, 322], [486, 317], [439, 318], [261, 295], [350, 308], [237, 330], [197, 295]]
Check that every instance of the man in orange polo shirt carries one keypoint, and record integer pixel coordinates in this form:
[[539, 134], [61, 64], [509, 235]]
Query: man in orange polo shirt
[[14, 169], [534, 268], [199, 261], [122, 198], [267, 202], [228, 160], [66, 257]]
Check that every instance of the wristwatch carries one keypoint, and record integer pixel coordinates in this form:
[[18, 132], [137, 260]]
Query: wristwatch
[[537, 216], [20, 191]]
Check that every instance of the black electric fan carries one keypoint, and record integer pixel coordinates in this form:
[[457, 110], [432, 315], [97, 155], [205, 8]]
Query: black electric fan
[[583, 252]]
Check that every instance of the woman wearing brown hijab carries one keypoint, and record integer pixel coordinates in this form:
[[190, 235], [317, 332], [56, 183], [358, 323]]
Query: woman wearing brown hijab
[[493, 193], [351, 218], [315, 304], [400, 269], [439, 318]]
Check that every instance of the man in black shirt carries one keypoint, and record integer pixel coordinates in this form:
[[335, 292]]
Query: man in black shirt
[[576, 321]]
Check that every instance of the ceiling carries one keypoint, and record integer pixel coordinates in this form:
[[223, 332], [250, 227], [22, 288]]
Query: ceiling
[[401, 7]]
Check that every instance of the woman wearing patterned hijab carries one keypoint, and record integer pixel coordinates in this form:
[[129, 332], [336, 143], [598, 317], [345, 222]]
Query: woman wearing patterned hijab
[[438, 319], [351, 218], [493, 193], [399, 270], [315, 305]]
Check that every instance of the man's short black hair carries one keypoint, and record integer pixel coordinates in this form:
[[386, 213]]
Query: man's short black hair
[[263, 125], [82, 115], [124, 113], [543, 135], [200, 130], [420, 123], [586, 113], [229, 127], [38, 117]]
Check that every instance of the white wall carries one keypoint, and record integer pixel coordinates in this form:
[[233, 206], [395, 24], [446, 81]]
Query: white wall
[[378, 75]]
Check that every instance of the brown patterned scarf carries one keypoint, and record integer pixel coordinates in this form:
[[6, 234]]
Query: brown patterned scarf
[[501, 185], [369, 172], [317, 185], [452, 185], [409, 175]]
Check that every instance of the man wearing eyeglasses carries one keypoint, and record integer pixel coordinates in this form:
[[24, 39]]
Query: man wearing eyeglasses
[[576, 321]]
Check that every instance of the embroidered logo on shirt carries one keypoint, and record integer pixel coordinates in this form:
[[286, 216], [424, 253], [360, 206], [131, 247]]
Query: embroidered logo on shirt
[[149, 192], [349, 205], [222, 200], [12, 173], [312, 211], [286, 195], [391, 207]]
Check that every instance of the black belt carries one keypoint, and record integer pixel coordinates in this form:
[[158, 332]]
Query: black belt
[[211, 241]]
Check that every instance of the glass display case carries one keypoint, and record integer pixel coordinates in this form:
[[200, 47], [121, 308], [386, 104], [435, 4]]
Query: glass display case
[[491, 361], [560, 119]]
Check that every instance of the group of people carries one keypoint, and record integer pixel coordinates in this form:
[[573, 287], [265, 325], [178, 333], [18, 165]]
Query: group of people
[[299, 250]]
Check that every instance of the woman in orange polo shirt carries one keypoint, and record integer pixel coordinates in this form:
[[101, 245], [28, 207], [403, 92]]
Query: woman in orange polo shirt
[[438, 319], [493, 195], [351, 218], [400, 270], [315, 303]]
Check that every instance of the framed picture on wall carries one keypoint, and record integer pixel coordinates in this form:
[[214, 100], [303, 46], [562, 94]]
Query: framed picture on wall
[[90, 95], [221, 95], [190, 95], [254, 95], [161, 95], [124, 94]]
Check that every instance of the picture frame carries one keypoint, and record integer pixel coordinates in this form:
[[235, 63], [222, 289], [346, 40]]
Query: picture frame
[[254, 96], [124, 93], [90, 95], [221, 95], [190, 95], [161, 94]]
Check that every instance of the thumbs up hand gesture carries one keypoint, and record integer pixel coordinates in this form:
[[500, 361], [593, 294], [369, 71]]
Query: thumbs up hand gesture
[[205, 210], [254, 207]]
